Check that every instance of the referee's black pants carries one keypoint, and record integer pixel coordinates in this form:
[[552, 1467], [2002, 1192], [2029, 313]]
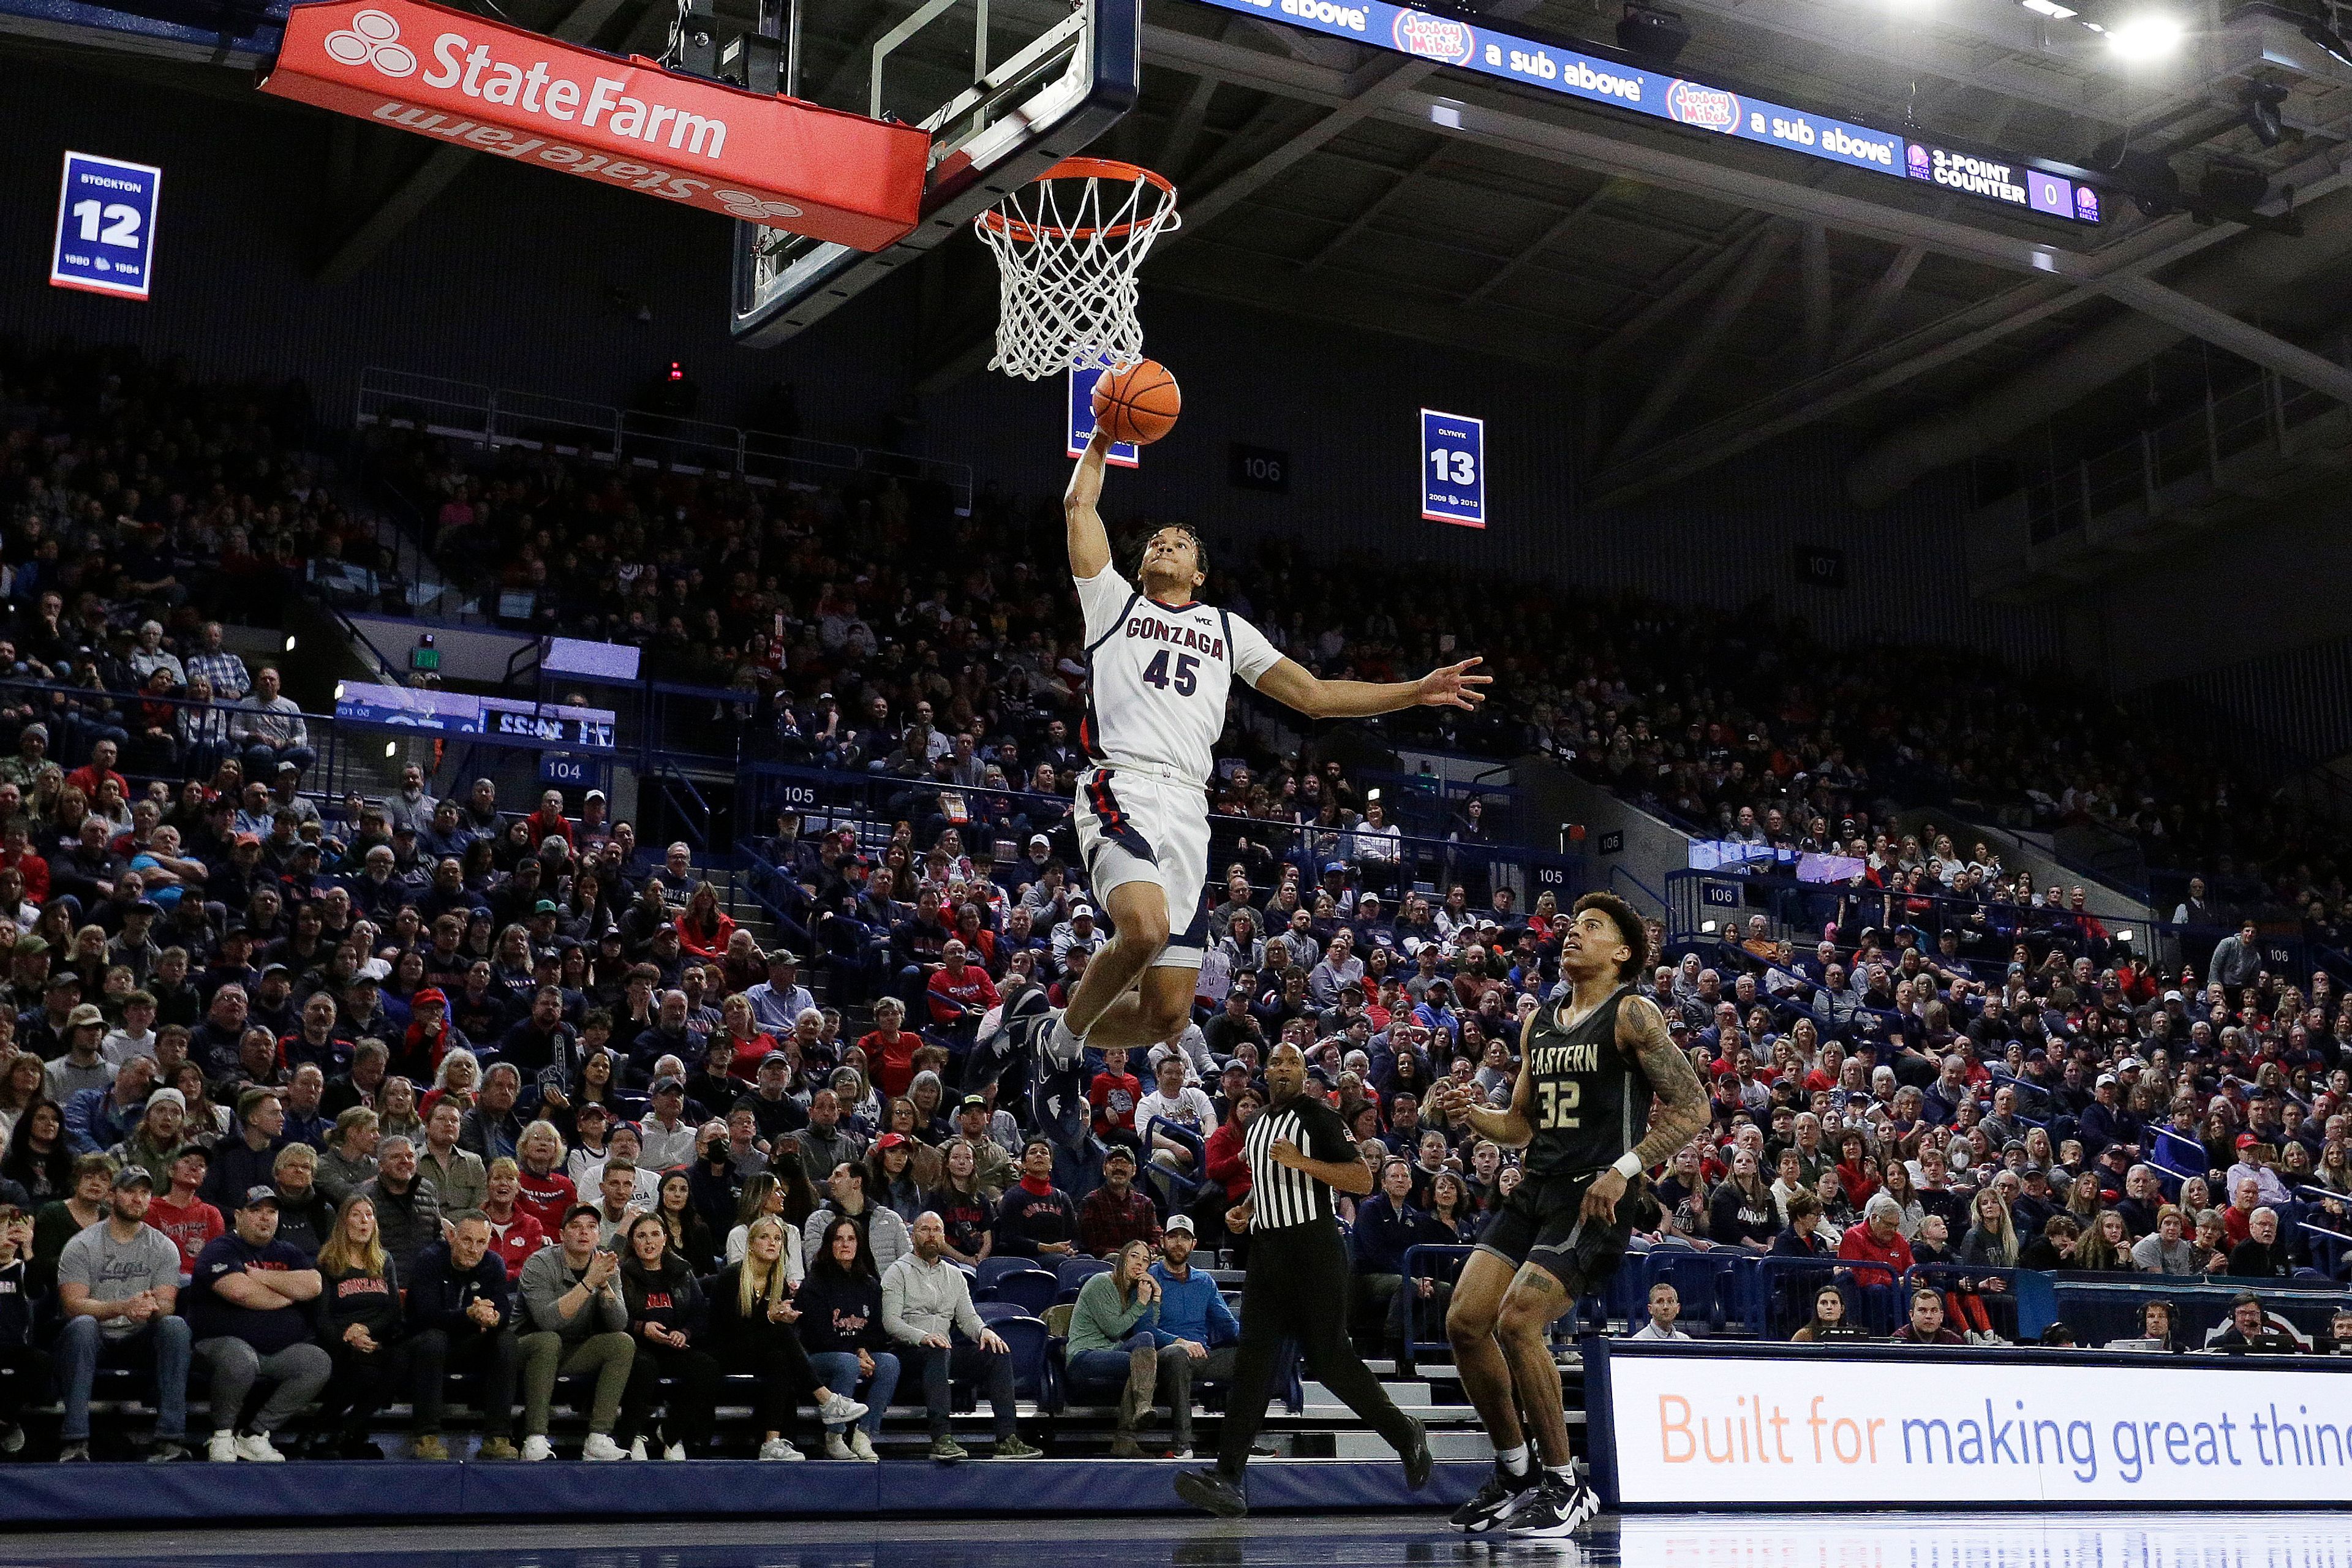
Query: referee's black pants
[[1297, 1289]]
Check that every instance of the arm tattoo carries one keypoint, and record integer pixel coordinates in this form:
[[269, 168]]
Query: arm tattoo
[[1682, 1111]]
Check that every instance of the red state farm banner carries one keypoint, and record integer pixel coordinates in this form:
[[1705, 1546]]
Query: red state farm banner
[[519, 95]]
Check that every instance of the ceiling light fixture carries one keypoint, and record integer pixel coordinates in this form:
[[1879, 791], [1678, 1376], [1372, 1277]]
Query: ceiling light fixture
[[2148, 36], [2050, 8]]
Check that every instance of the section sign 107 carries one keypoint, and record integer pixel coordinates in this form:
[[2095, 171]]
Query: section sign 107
[[1450, 41]]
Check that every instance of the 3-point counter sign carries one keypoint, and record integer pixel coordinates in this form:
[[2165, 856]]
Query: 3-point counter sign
[[106, 226], [1453, 469]]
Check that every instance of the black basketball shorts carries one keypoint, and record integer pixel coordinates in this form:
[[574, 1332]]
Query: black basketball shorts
[[1542, 1223]]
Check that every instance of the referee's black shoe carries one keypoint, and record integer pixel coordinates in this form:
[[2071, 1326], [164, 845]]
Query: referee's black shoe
[[1418, 1459], [1211, 1493], [1494, 1500]]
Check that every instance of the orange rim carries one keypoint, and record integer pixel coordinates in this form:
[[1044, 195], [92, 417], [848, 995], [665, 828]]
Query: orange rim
[[1078, 169]]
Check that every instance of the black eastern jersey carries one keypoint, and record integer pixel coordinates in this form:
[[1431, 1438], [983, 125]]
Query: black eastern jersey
[[1285, 1198], [1591, 1100]]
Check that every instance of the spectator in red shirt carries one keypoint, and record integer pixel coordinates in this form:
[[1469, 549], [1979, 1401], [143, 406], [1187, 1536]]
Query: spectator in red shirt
[[189, 1221], [542, 1189], [16, 851], [1113, 1094], [548, 822], [101, 766], [1879, 1239], [890, 1048], [959, 993], [703, 927], [515, 1231]]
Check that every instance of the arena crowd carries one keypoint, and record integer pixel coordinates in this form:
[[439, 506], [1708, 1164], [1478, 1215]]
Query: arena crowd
[[315, 1104]]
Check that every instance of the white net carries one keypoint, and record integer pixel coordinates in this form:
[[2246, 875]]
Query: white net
[[1067, 245]]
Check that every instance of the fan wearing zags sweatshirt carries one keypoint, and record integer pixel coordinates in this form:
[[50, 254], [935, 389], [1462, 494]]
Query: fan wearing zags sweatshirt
[[1037, 1219]]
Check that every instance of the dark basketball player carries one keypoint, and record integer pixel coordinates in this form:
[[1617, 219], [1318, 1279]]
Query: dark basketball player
[[1589, 1065]]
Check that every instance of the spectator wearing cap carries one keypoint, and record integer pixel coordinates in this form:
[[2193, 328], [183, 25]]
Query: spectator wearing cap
[[2254, 1164], [247, 1297], [268, 725], [1197, 1331], [773, 1109], [666, 1136], [778, 1001], [992, 1167], [1118, 1211], [2107, 1120], [1077, 934], [82, 1064], [118, 1291]]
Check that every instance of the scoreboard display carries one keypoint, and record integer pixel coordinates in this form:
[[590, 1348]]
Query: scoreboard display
[[1548, 67]]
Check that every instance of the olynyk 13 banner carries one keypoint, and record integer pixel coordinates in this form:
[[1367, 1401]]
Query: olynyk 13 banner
[[1548, 67]]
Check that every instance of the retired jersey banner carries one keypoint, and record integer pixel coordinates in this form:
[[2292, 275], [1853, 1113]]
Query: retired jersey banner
[[106, 226], [519, 95]]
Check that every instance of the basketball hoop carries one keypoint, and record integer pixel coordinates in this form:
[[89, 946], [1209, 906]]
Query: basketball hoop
[[1067, 245]]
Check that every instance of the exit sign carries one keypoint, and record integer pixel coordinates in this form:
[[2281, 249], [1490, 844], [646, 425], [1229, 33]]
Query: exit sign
[[426, 660]]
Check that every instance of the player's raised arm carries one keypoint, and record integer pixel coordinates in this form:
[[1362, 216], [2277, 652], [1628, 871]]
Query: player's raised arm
[[1290, 683], [1089, 542]]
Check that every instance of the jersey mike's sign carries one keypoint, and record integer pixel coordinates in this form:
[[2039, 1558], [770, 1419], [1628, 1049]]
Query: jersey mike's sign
[[518, 95]]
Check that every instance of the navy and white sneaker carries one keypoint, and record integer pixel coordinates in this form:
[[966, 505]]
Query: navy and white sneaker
[[1016, 1035], [1494, 1502], [1554, 1511]]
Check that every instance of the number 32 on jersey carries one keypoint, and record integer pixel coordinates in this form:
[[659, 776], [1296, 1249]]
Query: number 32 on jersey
[[1556, 1102]]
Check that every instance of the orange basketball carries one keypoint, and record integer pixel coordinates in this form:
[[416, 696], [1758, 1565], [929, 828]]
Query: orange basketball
[[1137, 403]]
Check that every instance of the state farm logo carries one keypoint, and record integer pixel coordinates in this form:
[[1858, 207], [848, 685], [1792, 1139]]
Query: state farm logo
[[743, 204], [1432, 38], [373, 40], [1708, 108]]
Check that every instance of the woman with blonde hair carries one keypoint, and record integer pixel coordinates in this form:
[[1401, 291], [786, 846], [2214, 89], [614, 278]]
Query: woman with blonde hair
[[359, 1322], [547, 1191], [751, 1330]]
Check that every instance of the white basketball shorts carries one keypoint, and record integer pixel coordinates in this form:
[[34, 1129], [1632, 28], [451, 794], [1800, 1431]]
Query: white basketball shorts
[[1147, 824]]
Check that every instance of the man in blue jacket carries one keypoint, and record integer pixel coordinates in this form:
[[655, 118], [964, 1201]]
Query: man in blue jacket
[[1197, 1331], [458, 1305]]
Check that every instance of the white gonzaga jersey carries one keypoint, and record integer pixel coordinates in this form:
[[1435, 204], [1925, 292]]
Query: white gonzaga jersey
[[1160, 674]]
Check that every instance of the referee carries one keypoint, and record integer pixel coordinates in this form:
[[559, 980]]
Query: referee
[[1298, 1286]]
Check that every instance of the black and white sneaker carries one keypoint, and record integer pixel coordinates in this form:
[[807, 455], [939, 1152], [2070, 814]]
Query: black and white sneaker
[[1557, 1509], [1494, 1500]]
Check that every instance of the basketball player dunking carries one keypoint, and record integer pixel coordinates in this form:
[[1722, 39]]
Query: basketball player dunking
[[1590, 1063], [1161, 664]]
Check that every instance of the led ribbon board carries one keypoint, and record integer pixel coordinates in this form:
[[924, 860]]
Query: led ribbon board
[[1548, 67]]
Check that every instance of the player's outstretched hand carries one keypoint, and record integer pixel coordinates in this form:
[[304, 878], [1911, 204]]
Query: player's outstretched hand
[[1453, 686]]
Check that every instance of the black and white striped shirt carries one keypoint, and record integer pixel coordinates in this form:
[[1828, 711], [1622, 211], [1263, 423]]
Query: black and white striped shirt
[[1285, 1198]]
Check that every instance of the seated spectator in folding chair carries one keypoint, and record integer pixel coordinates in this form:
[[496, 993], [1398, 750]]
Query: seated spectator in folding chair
[[1118, 1212], [1665, 1310], [1198, 1332], [1114, 1339], [23, 1369], [246, 1310], [118, 1286], [457, 1306], [1829, 1321], [363, 1327], [837, 1316], [927, 1310]]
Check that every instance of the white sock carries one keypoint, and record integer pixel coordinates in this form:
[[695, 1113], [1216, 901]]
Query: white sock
[[1061, 1045], [1513, 1460], [1561, 1472]]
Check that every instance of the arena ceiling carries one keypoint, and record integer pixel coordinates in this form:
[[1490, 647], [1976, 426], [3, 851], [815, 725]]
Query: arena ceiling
[[1702, 295]]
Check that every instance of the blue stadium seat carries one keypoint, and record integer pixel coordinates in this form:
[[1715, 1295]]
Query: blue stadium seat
[[992, 1270], [1030, 1290], [1071, 1274]]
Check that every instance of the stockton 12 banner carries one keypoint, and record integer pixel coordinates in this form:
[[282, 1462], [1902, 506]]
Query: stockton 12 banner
[[518, 95], [1693, 1426]]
